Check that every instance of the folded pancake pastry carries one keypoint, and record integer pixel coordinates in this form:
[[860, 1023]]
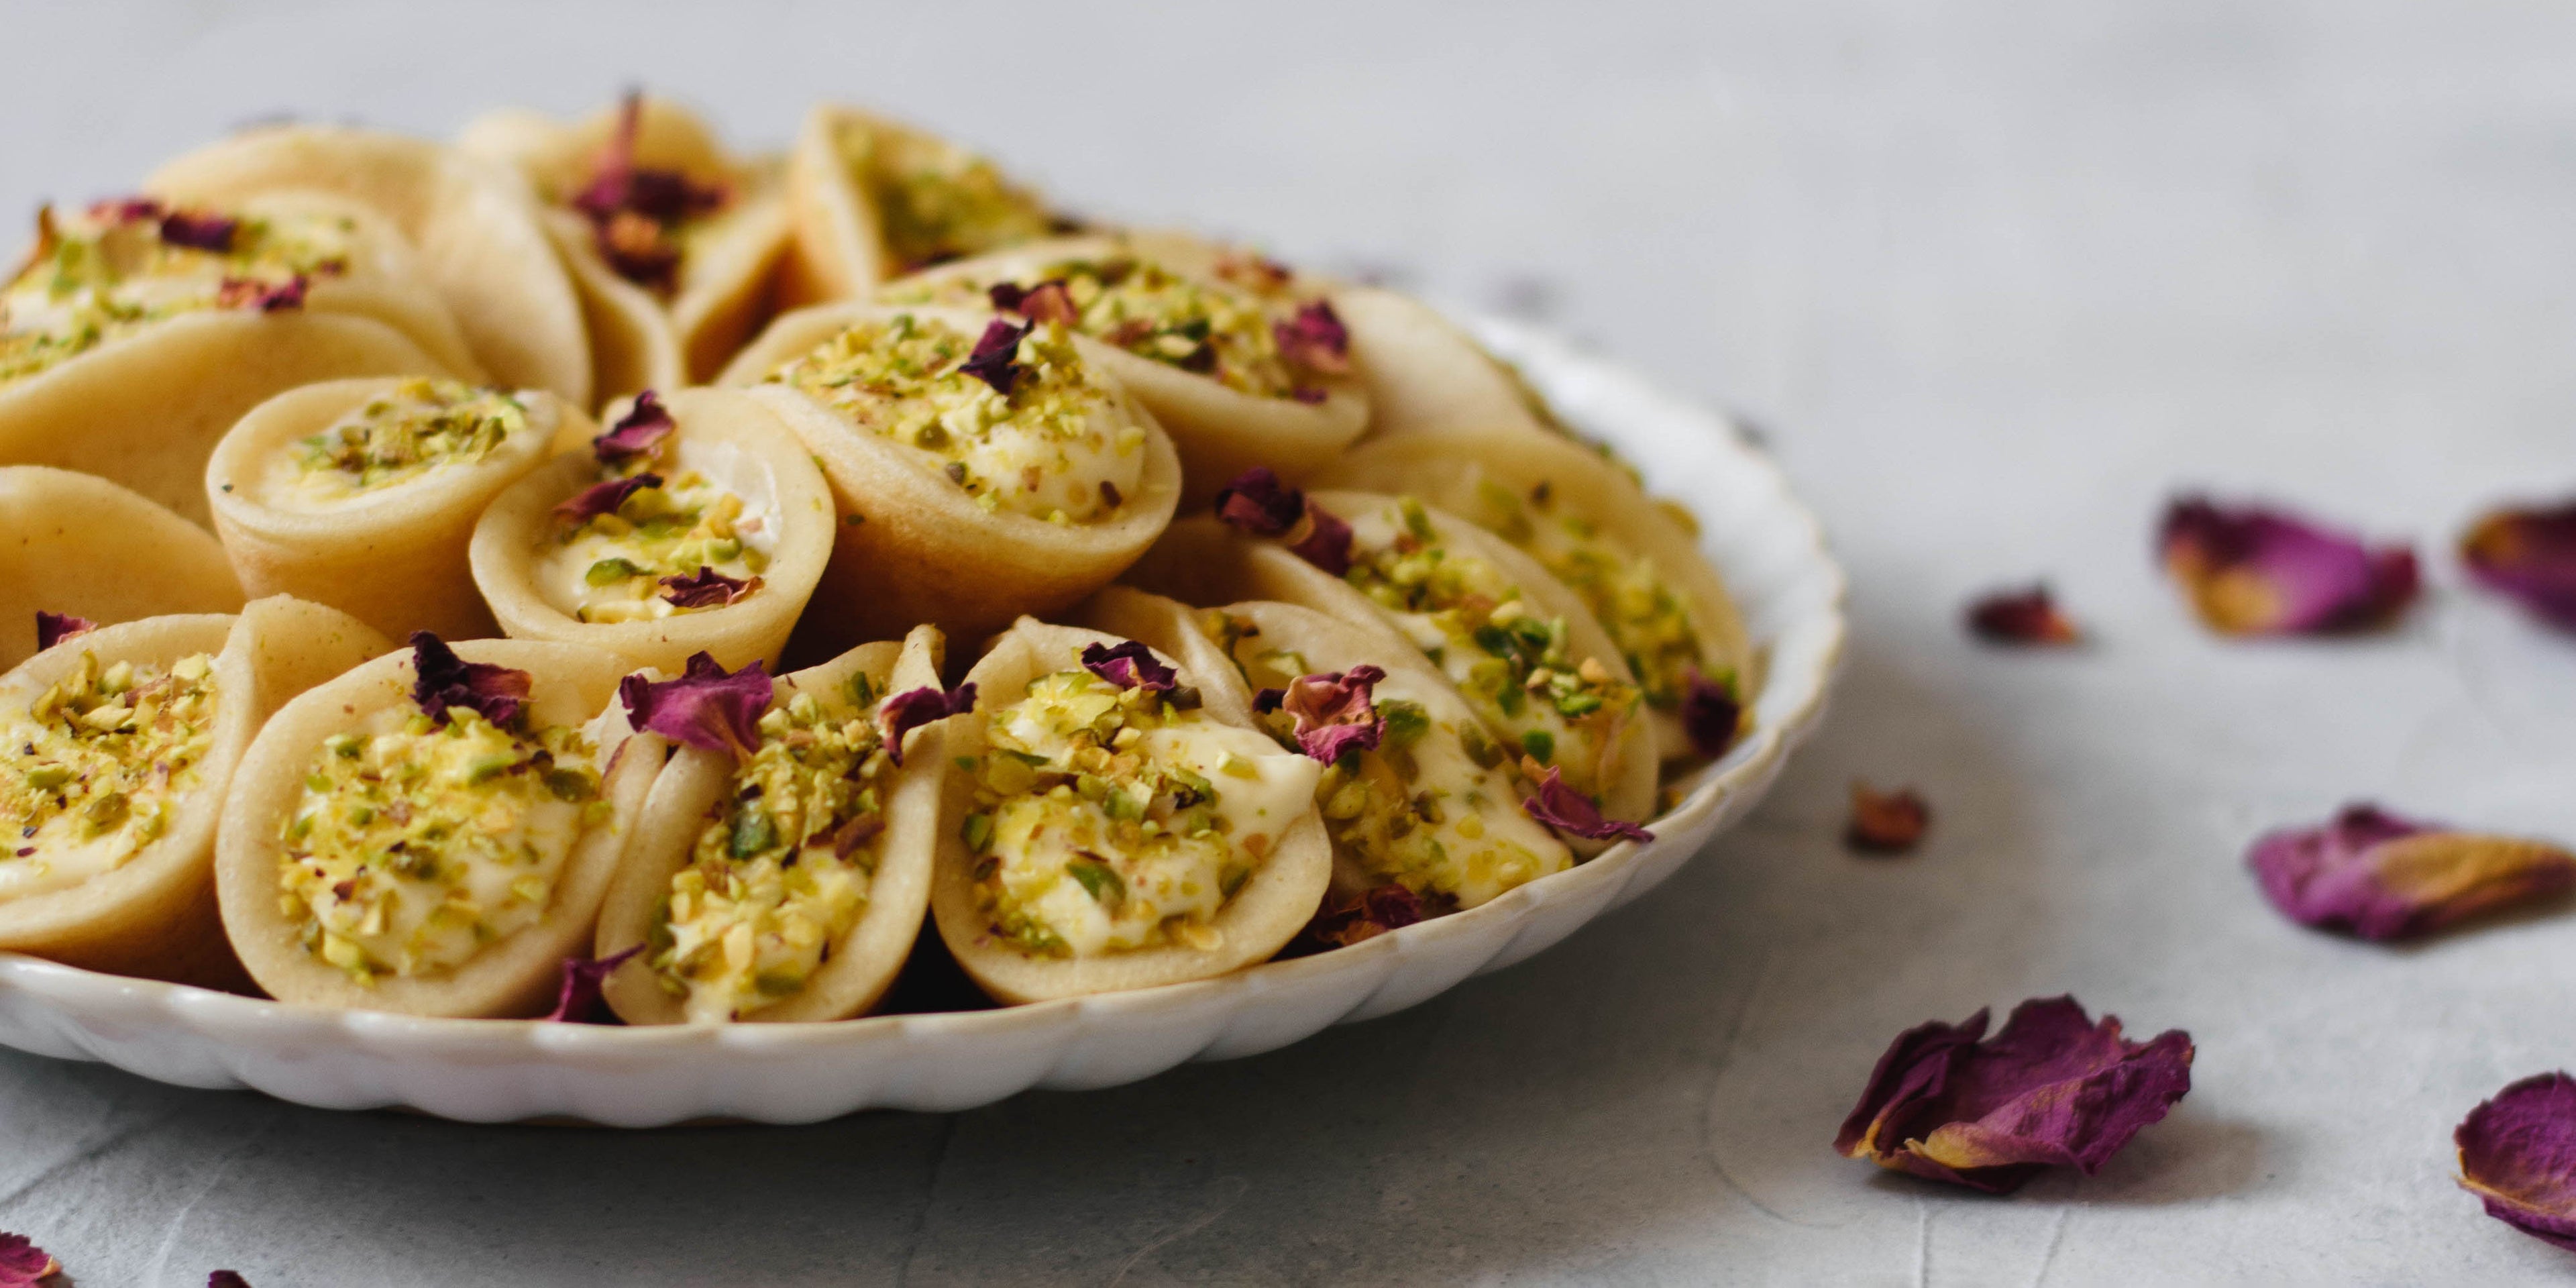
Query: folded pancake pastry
[[1102, 828], [477, 228], [80, 546], [117, 745], [1526, 653], [673, 241], [782, 867], [984, 467], [1415, 793], [872, 200], [363, 494], [1633, 559], [1244, 363], [137, 332], [431, 833], [1427, 376]]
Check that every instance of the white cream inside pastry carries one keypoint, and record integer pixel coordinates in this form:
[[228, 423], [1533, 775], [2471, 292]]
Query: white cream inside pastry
[[94, 768]]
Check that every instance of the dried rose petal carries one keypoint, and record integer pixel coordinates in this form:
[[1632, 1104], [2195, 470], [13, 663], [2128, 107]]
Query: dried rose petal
[[226, 1279], [707, 588], [22, 1263], [706, 707], [2255, 571], [618, 185], [604, 497], [1315, 339], [580, 1000], [2384, 877], [249, 293], [2530, 555], [54, 628], [1711, 713], [1569, 811], [1047, 301], [913, 708], [1130, 665], [1886, 822], [1332, 709], [2518, 1153], [995, 360], [1256, 502], [126, 210], [1366, 915], [638, 433], [199, 232], [2052, 1088], [442, 680], [2021, 617]]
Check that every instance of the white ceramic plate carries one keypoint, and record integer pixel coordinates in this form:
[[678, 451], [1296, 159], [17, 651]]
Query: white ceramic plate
[[1774, 558]]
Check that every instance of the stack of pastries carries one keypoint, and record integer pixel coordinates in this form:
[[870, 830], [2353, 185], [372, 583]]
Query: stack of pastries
[[430, 572]]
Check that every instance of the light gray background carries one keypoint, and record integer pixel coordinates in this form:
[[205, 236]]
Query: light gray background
[[1998, 276]]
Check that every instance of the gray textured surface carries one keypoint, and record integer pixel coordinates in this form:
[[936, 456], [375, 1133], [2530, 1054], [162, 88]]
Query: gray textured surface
[[2000, 276]]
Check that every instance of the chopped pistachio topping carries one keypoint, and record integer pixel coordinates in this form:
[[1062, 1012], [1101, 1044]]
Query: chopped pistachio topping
[[1419, 809], [1107, 818], [781, 866], [936, 201], [414, 844], [1648, 619], [1514, 666], [92, 769], [406, 432], [104, 275], [1219, 331], [1056, 447], [610, 567]]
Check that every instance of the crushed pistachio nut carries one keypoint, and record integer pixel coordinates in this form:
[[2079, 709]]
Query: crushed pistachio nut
[[111, 272], [610, 567], [414, 844], [1514, 666], [1106, 818], [781, 866], [92, 769], [1645, 615], [936, 201], [405, 432], [1055, 447]]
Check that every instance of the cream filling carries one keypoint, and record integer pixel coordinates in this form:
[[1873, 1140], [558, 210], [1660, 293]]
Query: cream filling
[[287, 483], [1464, 833], [581, 578], [146, 790]]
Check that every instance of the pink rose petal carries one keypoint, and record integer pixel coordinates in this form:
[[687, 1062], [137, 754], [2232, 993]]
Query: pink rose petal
[[54, 628], [707, 588], [23, 1264], [996, 360], [707, 707], [2530, 555], [2257, 571], [911, 709], [2022, 617], [2518, 1154], [638, 433], [1332, 709], [580, 1000], [442, 680], [1573, 813], [1130, 665], [2383, 877], [1711, 713], [604, 497]]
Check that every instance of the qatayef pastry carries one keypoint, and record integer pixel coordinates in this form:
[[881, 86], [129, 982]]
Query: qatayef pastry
[[873, 199], [1426, 376], [783, 863], [984, 467], [1633, 560], [1244, 363], [116, 747], [1525, 652], [1101, 829], [700, 526], [432, 832], [674, 243], [1415, 793], [363, 494], [136, 333], [482, 244], [78, 545]]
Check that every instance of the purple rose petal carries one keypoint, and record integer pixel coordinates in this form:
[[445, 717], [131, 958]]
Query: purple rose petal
[[199, 232], [1256, 502], [247, 293], [1129, 666], [1711, 714], [1573, 813], [1333, 712], [22, 1263], [1047, 301], [1366, 915], [54, 628], [604, 497], [2530, 555], [1315, 339], [2518, 1154], [1886, 822], [2021, 617], [581, 1000], [995, 360], [2052, 1088], [707, 588], [442, 680], [226, 1279], [638, 433], [126, 210], [909, 710], [706, 707], [2384, 877], [2256, 571]]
